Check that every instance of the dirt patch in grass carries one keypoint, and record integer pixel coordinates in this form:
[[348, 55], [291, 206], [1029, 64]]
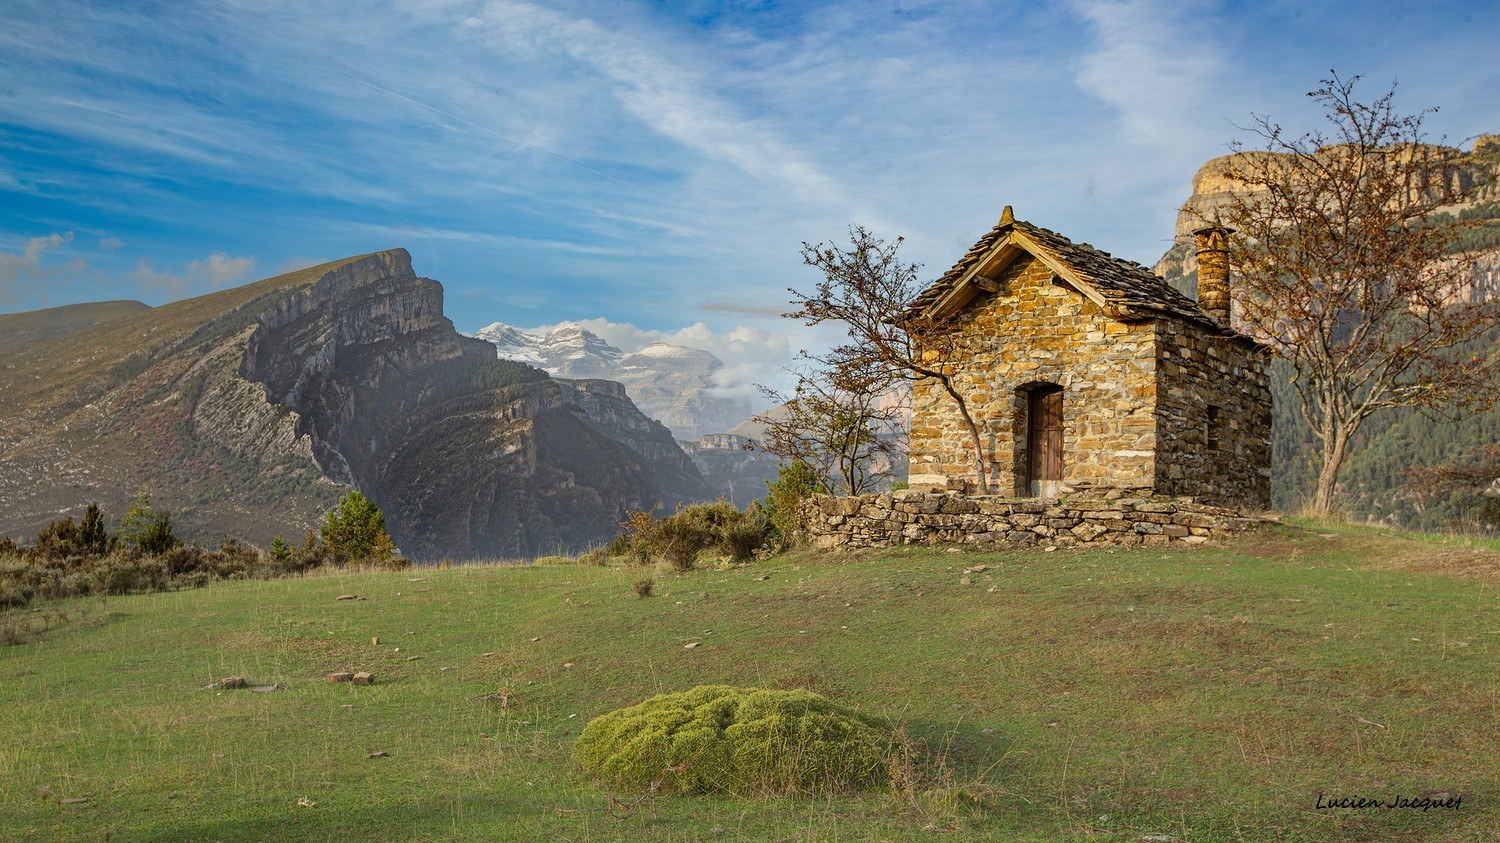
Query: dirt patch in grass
[[1450, 561], [1380, 551]]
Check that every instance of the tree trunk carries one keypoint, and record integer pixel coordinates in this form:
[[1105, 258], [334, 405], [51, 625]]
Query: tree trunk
[[1335, 444]]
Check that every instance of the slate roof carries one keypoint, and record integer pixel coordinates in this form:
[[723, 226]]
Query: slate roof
[[1131, 289]]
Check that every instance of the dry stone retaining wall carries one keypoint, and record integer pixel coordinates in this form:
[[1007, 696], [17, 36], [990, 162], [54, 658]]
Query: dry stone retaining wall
[[1114, 518]]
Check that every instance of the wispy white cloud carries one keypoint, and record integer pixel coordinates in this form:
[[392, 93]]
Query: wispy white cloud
[[750, 355], [1157, 63], [23, 271], [658, 163], [215, 272], [499, 241]]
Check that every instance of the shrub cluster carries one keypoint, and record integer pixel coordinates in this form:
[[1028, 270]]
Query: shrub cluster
[[795, 483], [76, 559], [740, 741], [693, 530], [54, 569]]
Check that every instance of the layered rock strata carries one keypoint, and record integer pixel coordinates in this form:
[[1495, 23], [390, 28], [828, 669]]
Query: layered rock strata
[[249, 411]]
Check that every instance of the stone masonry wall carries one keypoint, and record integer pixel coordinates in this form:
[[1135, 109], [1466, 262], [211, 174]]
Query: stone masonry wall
[[1033, 332], [1112, 519], [1205, 382]]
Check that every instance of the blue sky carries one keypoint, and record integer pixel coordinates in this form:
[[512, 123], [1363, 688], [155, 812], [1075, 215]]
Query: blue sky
[[649, 168]]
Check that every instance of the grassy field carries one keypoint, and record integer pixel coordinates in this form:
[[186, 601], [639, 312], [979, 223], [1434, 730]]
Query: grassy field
[[1204, 695]]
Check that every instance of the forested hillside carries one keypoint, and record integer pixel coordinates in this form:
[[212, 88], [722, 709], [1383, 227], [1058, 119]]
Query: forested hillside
[[1372, 482]]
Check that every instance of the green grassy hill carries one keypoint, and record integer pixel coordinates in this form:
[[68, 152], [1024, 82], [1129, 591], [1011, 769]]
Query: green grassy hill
[[18, 330], [1208, 695], [93, 414]]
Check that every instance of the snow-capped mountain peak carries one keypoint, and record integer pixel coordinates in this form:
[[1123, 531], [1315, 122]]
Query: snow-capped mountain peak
[[566, 351], [671, 383], [512, 343]]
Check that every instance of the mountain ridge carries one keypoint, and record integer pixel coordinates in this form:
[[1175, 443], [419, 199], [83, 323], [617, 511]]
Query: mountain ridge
[[673, 384], [248, 411]]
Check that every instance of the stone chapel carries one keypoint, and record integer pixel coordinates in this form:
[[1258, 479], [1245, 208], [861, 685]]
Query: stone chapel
[[1086, 373]]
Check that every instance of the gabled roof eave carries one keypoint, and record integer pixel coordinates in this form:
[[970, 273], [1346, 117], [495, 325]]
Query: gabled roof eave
[[996, 260]]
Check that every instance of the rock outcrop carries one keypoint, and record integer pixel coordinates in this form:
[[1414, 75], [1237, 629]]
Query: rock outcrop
[[607, 408], [732, 466], [248, 412], [673, 384], [1214, 185]]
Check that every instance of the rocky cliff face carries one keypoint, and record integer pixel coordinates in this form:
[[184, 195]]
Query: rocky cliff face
[[676, 385], [732, 466], [1214, 184], [1373, 474], [671, 383], [607, 408], [247, 412]]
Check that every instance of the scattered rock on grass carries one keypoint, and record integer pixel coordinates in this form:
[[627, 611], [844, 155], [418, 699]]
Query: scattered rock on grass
[[348, 597], [229, 682], [381, 754], [341, 676], [363, 678], [268, 689]]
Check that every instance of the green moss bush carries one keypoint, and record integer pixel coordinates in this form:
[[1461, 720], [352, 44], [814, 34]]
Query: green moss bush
[[739, 741]]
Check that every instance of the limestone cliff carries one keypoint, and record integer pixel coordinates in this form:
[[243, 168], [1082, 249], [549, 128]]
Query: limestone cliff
[[1214, 184], [607, 408], [1372, 485], [732, 465], [248, 412]]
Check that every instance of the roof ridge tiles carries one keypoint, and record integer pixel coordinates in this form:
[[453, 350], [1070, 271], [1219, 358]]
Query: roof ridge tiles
[[1124, 281]]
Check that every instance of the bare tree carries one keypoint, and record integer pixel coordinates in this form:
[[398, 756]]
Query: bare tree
[[1471, 486], [1350, 271], [870, 291], [840, 422]]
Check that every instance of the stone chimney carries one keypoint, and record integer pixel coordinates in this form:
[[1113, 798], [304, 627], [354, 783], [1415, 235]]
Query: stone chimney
[[1213, 271]]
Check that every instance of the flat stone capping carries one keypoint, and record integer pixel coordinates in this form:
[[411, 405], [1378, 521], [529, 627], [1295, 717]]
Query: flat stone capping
[[1105, 518]]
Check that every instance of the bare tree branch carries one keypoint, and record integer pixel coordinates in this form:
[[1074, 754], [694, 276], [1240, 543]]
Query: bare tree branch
[[868, 290], [839, 422], [1350, 267]]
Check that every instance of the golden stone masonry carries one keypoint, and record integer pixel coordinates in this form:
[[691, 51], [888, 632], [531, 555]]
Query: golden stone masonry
[[1088, 373]]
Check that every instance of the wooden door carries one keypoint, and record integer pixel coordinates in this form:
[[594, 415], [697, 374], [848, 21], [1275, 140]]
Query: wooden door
[[1044, 439]]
